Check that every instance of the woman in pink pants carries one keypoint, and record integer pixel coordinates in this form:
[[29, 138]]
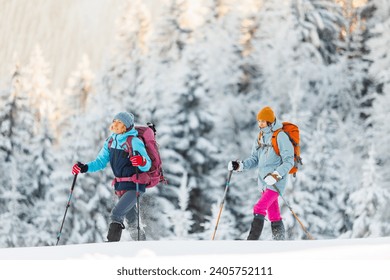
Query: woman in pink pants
[[272, 171]]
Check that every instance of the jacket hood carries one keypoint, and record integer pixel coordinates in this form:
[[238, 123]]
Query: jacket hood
[[276, 125], [131, 132]]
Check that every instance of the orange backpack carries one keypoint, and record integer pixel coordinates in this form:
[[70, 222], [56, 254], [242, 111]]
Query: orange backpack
[[292, 132]]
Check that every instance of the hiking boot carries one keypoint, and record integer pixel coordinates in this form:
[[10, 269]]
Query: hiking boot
[[278, 231], [115, 232], [256, 227], [134, 234]]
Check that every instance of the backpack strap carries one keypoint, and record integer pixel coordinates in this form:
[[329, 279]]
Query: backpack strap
[[143, 178], [128, 145], [259, 143], [274, 141], [110, 142]]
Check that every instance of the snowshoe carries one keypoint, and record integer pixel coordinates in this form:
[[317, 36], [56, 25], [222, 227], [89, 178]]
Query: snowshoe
[[278, 231], [256, 227], [115, 232]]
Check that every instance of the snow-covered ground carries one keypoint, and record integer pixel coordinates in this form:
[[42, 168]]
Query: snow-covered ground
[[319, 259]]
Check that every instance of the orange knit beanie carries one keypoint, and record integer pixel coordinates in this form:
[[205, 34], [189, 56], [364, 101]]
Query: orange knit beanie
[[266, 114]]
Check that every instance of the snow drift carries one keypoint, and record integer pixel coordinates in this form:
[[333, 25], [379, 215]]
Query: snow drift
[[338, 259], [356, 249]]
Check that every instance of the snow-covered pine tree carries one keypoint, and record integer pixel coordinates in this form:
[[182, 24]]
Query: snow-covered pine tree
[[41, 216], [78, 89], [169, 39], [377, 124], [22, 135], [379, 134], [319, 23], [173, 32], [226, 229], [8, 194], [125, 72], [350, 94], [181, 217], [370, 202], [15, 228], [185, 129], [7, 106], [17, 193], [217, 35], [37, 83], [72, 115], [317, 191], [378, 26]]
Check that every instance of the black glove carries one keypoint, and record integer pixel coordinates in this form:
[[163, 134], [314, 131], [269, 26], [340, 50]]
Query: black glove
[[79, 168], [235, 165]]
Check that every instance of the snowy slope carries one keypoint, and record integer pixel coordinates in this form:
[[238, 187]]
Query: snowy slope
[[372, 248], [320, 259]]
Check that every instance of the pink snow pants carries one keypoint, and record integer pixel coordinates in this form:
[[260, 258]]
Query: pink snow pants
[[268, 202]]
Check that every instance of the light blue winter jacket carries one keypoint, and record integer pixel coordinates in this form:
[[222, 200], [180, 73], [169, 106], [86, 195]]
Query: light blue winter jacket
[[117, 143], [267, 161]]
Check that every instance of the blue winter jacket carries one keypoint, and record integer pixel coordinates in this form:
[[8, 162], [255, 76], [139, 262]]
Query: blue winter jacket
[[119, 159], [267, 161]]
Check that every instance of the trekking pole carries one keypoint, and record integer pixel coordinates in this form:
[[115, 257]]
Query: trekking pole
[[66, 210], [295, 215], [138, 207], [222, 202]]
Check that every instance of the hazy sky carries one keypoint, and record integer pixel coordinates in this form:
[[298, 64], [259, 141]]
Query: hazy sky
[[63, 29]]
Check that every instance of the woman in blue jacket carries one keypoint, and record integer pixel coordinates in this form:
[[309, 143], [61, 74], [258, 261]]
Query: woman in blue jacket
[[272, 171], [124, 167]]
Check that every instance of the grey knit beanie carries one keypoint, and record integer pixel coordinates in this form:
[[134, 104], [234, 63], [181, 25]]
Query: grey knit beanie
[[126, 118]]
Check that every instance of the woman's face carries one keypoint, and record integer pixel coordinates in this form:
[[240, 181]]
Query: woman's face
[[117, 127], [262, 123]]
